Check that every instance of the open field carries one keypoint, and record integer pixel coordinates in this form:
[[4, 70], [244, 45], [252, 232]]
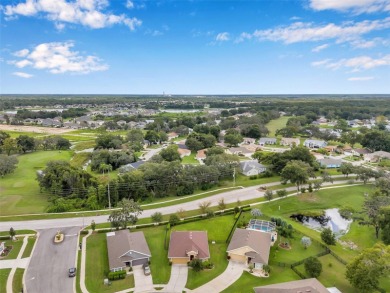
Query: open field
[[19, 192], [276, 124], [34, 129]]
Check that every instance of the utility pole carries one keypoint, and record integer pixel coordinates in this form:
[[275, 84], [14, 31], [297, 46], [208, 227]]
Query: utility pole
[[109, 198], [234, 176]]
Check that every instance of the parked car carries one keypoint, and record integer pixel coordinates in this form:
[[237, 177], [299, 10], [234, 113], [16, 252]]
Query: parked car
[[72, 272], [146, 269]]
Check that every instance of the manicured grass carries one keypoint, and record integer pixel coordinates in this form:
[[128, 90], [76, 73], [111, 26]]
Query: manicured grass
[[79, 159], [19, 191], [332, 275], [16, 245], [18, 232], [218, 229], [4, 273], [159, 264], [247, 282], [82, 145], [190, 159], [17, 282], [30, 245], [97, 267], [276, 124]]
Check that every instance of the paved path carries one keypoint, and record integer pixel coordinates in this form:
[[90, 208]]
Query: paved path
[[229, 276], [18, 261], [142, 283], [49, 264], [14, 263], [178, 279], [83, 262]]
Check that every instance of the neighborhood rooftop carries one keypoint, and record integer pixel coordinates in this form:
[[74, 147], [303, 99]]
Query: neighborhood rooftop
[[303, 286]]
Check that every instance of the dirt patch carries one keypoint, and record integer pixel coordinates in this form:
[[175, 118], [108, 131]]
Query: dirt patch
[[34, 129], [308, 197]]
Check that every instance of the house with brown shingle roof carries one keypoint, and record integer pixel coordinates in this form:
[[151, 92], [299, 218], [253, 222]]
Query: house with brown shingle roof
[[287, 141], [304, 286], [185, 246], [126, 249], [201, 155], [183, 152], [250, 247]]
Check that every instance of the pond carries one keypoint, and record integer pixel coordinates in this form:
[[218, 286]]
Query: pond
[[331, 219]]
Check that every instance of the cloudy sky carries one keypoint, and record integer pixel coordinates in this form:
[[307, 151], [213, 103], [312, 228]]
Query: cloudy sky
[[195, 47]]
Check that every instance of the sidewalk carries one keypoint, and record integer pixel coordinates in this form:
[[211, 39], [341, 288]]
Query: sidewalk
[[83, 262]]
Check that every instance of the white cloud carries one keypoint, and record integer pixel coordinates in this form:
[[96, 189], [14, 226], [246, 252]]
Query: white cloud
[[361, 78], [356, 6], [320, 48], [243, 36], [295, 18], [89, 13], [356, 64], [21, 53], [222, 37], [129, 4], [59, 58], [306, 32], [22, 74]]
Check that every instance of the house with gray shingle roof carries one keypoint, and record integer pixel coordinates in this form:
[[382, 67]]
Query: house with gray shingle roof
[[330, 163], [267, 140], [306, 285], [315, 144], [250, 247], [251, 168], [126, 249]]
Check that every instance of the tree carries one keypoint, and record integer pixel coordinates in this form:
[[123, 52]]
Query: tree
[[152, 136], [313, 267], [221, 204], [372, 207], [281, 192], [296, 172], [105, 168], [170, 153], [12, 232], [128, 212], [326, 177], [162, 136], [233, 139], [215, 130], [108, 141], [7, 164], [317, 184], [25, 143], [193, 144], [93, 225], [62, 143], [135, 137], [156, 217], [328, 236], [384, 223], [365, 271], [173, 219], [268, 194], [9, 145], [256, 213], [346, 169], [306, 242], [3, 136]]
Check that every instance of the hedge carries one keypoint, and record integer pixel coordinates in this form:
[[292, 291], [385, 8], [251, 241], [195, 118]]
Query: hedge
[[116, 275]]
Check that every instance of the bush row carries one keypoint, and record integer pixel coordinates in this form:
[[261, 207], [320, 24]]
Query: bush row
[[116, 275]]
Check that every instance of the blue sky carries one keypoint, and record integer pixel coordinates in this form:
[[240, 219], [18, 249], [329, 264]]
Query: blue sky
[[195, 47]]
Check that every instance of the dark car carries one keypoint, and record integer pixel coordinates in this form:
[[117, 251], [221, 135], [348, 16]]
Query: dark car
[[72, 272]]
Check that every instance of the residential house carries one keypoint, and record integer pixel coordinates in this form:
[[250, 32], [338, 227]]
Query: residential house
[[360, 152], [315, 144], [267, 141], [288, 141], [185, 246], [307, 285], [184, 152], [330, 163], [248, 140], [318, 156], [51, 123], [250, 247], [126, 249], [121, 123], [172, 135], [322, 120], [251, 168], [239, 151], [201, 155], [131, 166], [377, 156]]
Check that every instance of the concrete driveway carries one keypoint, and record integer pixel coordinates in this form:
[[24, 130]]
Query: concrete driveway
[[229, 276], [178, 280], [142, 283], [49, 264]]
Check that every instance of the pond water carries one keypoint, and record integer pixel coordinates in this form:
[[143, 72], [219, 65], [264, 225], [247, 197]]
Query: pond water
[[331, 219]]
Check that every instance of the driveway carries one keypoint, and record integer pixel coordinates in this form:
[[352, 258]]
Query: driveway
[[142, 283], [178, 280], [229, 276], [49, 264]]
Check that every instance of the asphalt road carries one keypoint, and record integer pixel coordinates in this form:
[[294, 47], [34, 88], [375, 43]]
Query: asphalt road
[[49, 264], [229, 197]]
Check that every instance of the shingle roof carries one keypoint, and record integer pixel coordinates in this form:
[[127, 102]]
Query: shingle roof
[[329, 162], [259, 241], [121, 242], [249, 165], [182, 242], [304, 286]]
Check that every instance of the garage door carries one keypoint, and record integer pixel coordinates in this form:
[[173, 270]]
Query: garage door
[[237, 257], [182, 261], [141, 261]]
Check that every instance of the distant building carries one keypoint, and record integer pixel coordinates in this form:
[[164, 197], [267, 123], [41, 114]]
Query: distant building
[[330, 163], [251, 168], [287, 141], [315, 144], [267, 141]]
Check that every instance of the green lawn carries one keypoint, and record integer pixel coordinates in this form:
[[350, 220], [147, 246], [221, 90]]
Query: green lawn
[[97, 267], [18, 232], [159, 264], [276, 124], [190, 159], [82, 145], [17, 282], [19, 191], [218, 229], [247, 282], [30, 245], [4, 273], [79, 159], [16, 245]]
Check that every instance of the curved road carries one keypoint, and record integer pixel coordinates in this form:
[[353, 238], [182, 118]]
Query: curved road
[[229, 197]]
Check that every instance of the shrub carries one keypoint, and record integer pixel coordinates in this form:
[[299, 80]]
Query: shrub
[[303, 189], [196, 265], [313, 267], [281, 192], [306, 242], [156, 217], [209, 213], [328, 236], [267, 269], [173, 219], [116, 275]]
